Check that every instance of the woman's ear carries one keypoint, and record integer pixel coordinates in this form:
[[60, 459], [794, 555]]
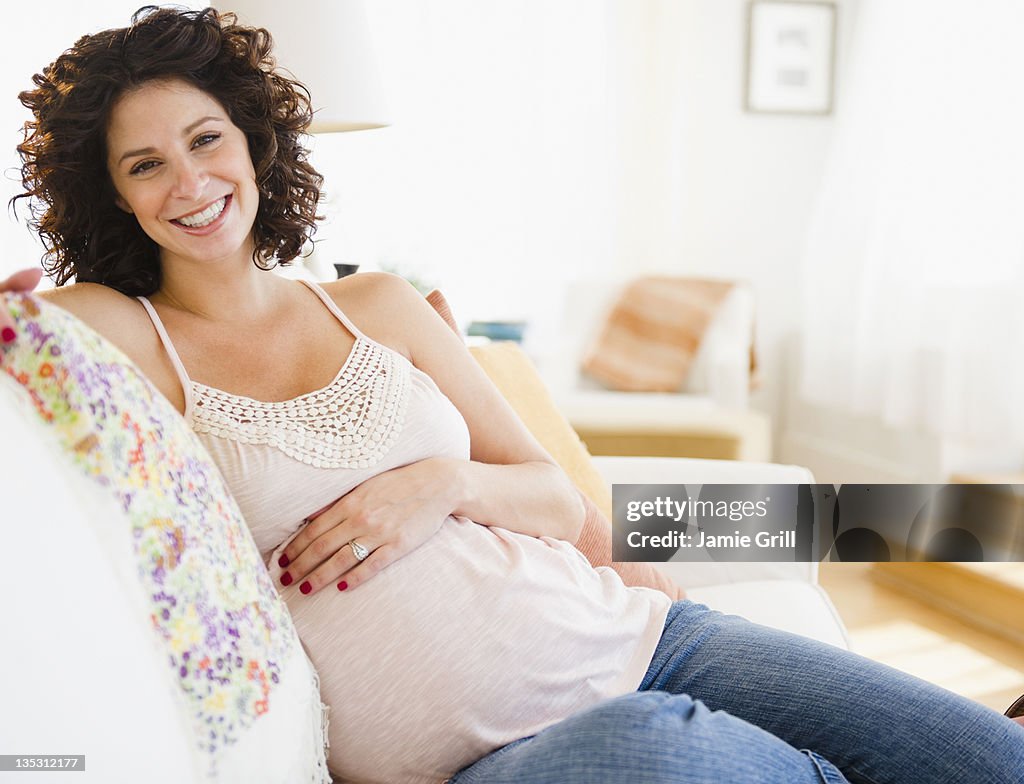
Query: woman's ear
[[123, 205]]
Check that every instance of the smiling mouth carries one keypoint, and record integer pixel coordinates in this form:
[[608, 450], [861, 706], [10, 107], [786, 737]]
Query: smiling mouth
[[198, 220]]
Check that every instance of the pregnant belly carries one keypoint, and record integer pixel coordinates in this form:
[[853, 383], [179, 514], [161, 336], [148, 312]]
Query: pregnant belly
[[477, 638]]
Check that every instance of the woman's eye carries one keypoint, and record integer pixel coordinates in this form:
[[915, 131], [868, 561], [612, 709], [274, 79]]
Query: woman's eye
[[142, 167], [205, 138]]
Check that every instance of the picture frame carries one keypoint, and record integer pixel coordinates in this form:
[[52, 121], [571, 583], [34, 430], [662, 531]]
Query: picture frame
[[790, 57]]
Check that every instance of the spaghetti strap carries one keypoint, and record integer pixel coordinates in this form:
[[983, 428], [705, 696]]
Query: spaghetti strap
[[332, 306], [179, 368]]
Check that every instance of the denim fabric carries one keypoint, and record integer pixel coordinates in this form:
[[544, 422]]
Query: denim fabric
[[725, 700]]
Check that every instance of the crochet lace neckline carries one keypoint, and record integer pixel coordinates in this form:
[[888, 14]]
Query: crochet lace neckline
[[350, 423]]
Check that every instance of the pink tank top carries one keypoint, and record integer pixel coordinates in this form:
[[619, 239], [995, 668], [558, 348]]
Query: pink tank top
[[479, 637]]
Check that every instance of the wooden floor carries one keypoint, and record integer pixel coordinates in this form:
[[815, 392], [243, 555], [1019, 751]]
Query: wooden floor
[[897, 629]]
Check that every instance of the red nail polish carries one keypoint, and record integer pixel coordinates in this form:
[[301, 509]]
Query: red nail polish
[[342, 585], [286, 579], [283, 561], [9, 335], [306, 587]]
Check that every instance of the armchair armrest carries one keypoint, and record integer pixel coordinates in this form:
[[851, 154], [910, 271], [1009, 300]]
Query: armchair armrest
[[687, 471]]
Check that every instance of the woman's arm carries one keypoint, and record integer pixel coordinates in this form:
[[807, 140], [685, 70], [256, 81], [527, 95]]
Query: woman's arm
[[509, 481]]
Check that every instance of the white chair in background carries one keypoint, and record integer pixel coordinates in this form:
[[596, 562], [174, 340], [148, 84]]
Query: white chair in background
[[708, 417]]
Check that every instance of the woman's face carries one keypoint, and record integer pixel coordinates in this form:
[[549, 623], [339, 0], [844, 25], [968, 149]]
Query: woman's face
[[183, 169]]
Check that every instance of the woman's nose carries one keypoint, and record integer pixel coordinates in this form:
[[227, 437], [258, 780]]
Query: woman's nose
[[190, 180]]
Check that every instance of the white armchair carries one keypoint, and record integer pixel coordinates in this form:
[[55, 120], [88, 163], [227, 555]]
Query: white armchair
[[783, 595], [707, 417], [720, 373]]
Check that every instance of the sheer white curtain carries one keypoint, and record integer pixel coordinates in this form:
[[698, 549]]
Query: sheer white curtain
[[914, 263], [493, 181]]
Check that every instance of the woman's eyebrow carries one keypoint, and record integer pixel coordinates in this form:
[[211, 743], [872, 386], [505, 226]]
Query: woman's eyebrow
[[185, 132], [200, 121]]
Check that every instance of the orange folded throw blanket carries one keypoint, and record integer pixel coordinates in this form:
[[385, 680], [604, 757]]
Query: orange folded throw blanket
[[652, 334]]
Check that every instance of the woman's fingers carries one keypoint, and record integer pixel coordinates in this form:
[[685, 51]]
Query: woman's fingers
[[321, 552], [316, 525], [345, 572], [361, 572], [327, 563], [23, 280], [326, 556], [321, 543], [390, 514], [328, 571]]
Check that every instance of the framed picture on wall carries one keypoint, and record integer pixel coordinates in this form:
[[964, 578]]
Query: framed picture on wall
[[790, 56]]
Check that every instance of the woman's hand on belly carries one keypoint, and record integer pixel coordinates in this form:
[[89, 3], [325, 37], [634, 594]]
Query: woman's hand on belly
[[389, 515]]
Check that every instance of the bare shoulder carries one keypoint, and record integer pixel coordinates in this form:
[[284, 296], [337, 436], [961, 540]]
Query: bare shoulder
[[372, 291], [386, 307], [117, 317], [91, 302]]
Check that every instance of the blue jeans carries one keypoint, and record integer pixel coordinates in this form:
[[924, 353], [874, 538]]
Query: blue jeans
[[726, 700]]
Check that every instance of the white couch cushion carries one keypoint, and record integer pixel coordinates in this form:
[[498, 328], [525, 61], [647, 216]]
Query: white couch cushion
[[69, 593]]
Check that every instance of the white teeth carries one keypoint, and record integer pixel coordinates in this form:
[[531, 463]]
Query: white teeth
[[206, 217]]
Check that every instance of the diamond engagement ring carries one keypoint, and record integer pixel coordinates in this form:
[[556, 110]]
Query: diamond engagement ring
[[358, 550]]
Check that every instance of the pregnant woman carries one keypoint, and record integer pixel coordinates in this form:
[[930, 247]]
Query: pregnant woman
[[421, 537]]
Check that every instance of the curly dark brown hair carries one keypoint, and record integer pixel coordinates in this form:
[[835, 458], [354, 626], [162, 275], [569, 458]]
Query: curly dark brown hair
[[64, 154]]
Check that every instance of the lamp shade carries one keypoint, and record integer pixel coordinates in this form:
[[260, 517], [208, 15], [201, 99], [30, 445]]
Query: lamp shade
[[325, 44]]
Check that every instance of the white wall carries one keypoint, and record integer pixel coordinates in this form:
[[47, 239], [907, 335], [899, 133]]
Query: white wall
[[712, 190], [694, 184]]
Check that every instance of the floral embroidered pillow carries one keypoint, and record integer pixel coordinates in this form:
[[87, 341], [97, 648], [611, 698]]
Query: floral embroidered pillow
[[250, 695], [80, 672]]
